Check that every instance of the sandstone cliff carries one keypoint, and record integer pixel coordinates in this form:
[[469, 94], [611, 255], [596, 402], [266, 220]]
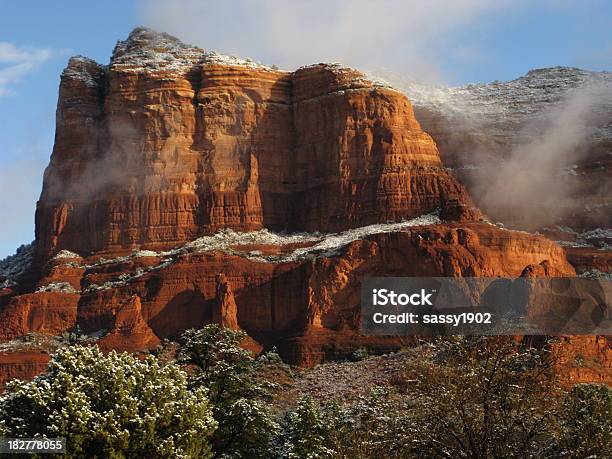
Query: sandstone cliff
[[300, 293], [187, 188], [170, 142]]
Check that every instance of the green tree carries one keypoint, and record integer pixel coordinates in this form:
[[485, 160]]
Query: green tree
[[377, 425], [239, 398], [586, 422], [307, 432], [113, 406]]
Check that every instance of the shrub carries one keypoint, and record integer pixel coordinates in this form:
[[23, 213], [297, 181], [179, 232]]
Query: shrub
[[110, 406], [306, 432], [483, 397], [586, 422]]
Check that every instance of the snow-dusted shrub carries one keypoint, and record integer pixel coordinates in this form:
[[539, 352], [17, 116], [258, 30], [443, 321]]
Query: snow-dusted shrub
[[307, 432], [586, 422], [240, 400], [110, 406]]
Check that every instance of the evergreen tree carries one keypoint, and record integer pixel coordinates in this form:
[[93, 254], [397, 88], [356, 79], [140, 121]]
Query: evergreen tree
[[228, 372], [110, 406], [307, 432]]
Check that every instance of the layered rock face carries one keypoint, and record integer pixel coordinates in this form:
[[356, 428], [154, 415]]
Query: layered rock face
[[169, 142], [173, 172], [300, 293]]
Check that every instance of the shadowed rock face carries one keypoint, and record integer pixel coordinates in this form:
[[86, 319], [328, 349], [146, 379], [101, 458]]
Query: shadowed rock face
[[552, 125], [169, 142]]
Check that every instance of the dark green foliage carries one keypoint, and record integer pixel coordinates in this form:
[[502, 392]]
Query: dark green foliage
[[307, 432], [360, 354], [228, 372], [455, 398]]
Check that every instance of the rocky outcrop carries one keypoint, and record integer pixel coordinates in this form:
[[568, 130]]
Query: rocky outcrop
[[187, 188], [226, 311], [49, 313], [301, 294], [21, 364], [584, 358], [169, 142], [130, 331]]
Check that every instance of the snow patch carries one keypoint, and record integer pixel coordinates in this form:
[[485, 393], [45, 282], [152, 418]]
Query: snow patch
[[596, 274], [212, 57], [597, 233], [146, 50], [501, 108], [63, 287], [85, 70], [574, 244], [324, 245], [598, 237], [144, 253], [62, 254]]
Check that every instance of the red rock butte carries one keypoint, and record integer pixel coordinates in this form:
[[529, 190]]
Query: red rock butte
[[170, 142], [174, 170]]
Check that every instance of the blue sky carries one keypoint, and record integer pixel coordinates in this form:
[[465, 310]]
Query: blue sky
[[442, 41]]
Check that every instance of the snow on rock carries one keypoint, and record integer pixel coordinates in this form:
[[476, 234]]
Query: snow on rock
[[63, 254], [92, 288], [324, 244], [228, 241], [597, 233], [85, 70], [503, 108], [598, 237], [330, 244], [63, 287], [146, 50], [144, 253], [13, 266], [574, 244], [212, 57], [596, 274]]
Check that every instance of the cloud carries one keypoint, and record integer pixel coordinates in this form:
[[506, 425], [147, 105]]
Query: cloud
[[407, 35], [16, 62]]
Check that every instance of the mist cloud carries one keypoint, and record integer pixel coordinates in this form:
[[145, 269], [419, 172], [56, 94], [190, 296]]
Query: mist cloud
[[535, 185], [406, 35]]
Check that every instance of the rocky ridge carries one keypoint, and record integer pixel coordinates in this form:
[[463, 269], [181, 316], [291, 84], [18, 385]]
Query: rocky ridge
[[190, 143]]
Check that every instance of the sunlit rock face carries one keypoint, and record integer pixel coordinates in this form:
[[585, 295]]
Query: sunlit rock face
[[169, 142]]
